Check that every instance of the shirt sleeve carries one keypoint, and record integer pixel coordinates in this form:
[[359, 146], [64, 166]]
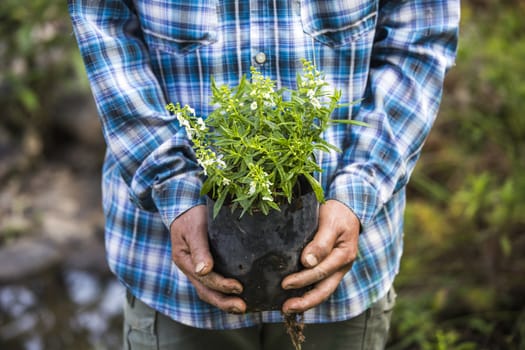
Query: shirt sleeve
[[415, 44], [153, 153]]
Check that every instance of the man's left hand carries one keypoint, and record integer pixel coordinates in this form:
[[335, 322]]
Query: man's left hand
[[327, 258]]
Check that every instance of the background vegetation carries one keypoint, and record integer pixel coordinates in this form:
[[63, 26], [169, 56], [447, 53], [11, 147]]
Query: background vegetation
[[462, 282]]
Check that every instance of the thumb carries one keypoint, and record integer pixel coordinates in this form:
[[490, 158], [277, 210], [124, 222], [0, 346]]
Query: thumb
[[322, 243], [192, 228], [332, 223], [200, 253]]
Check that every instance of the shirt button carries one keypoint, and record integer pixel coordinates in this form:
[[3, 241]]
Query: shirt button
[[260, 57]]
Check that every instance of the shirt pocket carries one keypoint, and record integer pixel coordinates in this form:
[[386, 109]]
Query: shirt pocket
[[336, 23], [179, 26]]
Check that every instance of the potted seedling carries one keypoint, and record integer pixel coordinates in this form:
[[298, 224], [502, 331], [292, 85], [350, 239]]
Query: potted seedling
[[258, 151]]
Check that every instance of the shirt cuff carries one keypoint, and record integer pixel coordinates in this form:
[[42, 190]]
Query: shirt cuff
[[178, 194], [358, 194]]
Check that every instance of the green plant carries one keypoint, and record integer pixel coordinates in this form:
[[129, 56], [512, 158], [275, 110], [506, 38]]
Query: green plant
[[259, 141]]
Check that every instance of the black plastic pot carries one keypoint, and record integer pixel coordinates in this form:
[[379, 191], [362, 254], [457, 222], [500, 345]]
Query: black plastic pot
[[260, 250]]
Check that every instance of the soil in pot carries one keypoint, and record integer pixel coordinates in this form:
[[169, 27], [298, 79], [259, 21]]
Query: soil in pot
[[260, 250]]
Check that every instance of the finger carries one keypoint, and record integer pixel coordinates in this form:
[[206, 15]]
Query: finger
[[211, 280], [315, 296], [218, 283], [340, 259], [224, 302], [320, 246]]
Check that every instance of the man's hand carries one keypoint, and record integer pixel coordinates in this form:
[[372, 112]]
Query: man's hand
[[327, 258], [190, 252]]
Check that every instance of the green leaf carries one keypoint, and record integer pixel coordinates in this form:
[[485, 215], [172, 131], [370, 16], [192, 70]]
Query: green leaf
[[241, 87], [218, 204], [326, 147], [349, 121], [318, 190], [207, 186], [274, 205]]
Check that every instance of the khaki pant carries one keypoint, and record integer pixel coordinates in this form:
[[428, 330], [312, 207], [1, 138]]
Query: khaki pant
[[144, 328]]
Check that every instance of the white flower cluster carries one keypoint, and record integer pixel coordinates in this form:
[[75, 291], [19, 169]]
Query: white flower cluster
[[195, 127], [260, 182], [262, 88], [313, 100], [211, 162]]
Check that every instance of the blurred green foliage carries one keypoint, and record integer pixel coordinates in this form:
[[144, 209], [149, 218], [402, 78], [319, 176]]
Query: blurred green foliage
[[461, 283], [39, 62], [462, 278]]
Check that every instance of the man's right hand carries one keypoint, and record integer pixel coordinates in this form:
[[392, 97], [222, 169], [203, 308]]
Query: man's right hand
[[191, 253]]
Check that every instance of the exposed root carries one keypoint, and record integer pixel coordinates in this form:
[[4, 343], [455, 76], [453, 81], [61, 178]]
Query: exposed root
[[294, 324]]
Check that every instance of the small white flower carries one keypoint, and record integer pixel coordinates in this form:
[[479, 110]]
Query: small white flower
[[201, 124], [310, 94], [226, 181], [267, 185], [183, 121], [203, 167], [253, 106], [253, 187], [205, 164], [221, 163], [191, 110], [316, 103], [267, 199]]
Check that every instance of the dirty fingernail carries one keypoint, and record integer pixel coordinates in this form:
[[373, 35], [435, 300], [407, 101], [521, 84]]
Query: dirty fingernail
[[311, 260], [200, 267], [288, 286], [235, 310]]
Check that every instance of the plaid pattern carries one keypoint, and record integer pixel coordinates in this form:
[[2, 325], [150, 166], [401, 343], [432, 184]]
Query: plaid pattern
[[389, 55]]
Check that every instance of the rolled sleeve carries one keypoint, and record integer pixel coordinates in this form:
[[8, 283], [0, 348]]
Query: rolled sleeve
[[153, 155], [415, 44]]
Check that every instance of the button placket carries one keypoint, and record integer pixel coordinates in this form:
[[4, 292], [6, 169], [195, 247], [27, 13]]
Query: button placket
[[260, 32]]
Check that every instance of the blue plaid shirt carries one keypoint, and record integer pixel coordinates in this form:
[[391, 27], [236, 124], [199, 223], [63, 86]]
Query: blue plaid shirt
[[390, 55]]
